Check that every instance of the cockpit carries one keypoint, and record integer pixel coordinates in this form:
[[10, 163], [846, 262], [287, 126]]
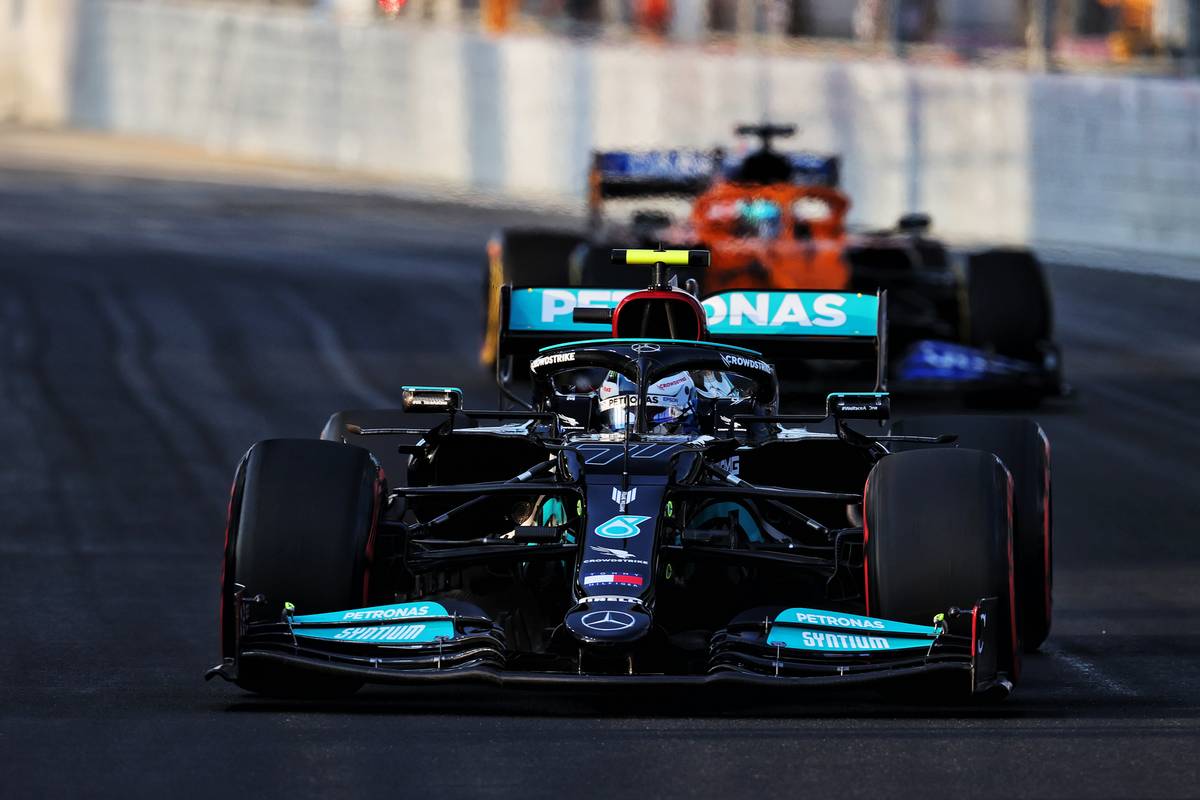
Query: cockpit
[[674, 404], [670, 388]]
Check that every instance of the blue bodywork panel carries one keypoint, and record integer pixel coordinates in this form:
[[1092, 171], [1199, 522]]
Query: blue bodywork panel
[[945, 361]]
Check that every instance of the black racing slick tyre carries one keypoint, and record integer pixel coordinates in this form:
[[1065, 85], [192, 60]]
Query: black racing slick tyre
[[1008, 308], [938, 534], [522, 258], [1025, 449], [302, 521], [536, 258], [591, 266]]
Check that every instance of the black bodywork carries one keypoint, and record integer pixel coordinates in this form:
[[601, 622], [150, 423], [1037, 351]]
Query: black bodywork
[[511, 534]]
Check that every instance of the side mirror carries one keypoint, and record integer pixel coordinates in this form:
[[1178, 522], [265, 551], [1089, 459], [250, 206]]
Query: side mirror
[[576, 411], [915, 223], [859, 405], [431, 398]]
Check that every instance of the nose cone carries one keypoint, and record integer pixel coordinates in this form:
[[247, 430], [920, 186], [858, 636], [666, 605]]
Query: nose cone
[[607, 622]]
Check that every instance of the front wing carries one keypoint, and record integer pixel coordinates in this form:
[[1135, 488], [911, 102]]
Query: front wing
[[427, 643]]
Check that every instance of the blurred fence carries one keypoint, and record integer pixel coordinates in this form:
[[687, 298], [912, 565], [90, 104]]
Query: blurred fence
[[1120, 36], [993, 155]]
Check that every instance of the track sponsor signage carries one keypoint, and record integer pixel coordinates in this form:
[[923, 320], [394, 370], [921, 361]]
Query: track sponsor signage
[[401, 623]]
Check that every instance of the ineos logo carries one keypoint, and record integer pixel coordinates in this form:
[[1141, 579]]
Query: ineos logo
[[608, 621], [645, 348]]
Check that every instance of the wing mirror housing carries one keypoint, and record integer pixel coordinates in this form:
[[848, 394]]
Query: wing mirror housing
[[859, 405], [915, 223], [423, 399]]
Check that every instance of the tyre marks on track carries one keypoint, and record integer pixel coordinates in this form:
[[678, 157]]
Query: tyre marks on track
[[45, 491], [332, 353], [192, 446]]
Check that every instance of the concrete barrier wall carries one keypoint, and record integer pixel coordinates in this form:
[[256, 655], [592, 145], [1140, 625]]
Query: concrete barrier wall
[[995, 156], [36, 42]]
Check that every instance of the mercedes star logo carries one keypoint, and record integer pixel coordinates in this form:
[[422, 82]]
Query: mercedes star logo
[[608, 621], [645, 348]]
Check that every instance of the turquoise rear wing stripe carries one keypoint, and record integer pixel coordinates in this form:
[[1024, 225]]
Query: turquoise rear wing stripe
[[783, 325], [792, 313], [739, 313]]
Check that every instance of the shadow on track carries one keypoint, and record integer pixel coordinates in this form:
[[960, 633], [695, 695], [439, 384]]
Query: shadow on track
[[907, 701]]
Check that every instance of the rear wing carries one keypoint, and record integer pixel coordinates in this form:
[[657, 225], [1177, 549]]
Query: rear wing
[[684, 172], [808, 169], [786, 326], [646, 173], [807, 324]]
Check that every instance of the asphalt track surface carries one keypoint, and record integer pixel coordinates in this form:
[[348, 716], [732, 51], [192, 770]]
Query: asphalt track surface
[[149, 331]]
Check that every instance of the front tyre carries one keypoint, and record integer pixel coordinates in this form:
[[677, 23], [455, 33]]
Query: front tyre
[[938, 531], [1025, 449], [302, 523]]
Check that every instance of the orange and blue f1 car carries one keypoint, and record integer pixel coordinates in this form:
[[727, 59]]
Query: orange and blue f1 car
[[974, 322]]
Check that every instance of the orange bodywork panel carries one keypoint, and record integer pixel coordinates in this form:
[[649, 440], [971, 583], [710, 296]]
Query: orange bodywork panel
[[801, 247]]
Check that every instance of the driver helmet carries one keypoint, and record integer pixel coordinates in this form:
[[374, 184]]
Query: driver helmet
[[670, 404], [715, 385], [759, 217]]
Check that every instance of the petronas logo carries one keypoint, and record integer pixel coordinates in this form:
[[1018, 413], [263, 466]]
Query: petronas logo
[[625, 526]]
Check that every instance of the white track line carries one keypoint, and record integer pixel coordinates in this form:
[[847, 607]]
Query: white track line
[[1089, 671]]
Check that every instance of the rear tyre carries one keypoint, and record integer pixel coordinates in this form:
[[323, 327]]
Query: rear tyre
[[939, 534], [302, 523], [592, 267], [1025, 449], [537, 258], [1008, 306], [521, 258]]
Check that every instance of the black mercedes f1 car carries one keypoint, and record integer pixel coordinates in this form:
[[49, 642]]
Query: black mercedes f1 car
[[650, 517]]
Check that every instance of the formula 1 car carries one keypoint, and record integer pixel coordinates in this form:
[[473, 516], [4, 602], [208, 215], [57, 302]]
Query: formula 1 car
[[649, 518], [976, 323]]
